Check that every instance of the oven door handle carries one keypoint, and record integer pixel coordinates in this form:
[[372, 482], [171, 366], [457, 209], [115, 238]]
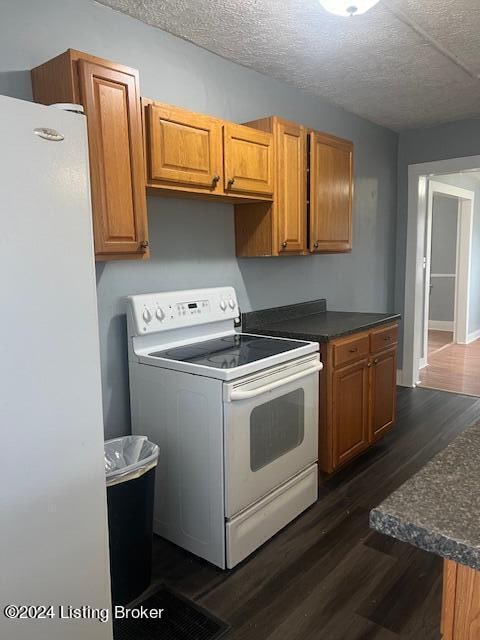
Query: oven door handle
[[244, 395]]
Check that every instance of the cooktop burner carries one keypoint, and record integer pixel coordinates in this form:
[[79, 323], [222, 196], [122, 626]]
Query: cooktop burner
[[229, 352]]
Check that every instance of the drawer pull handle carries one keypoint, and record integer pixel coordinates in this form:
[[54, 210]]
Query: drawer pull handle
[[231, 182], [353, 350]]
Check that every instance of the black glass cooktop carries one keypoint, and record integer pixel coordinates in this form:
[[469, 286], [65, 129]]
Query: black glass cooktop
[[229, 352]]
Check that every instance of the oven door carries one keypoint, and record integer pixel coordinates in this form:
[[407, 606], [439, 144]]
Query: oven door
[[271, 430]]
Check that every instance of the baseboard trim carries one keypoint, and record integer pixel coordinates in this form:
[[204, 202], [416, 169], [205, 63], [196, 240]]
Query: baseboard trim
[[441, 325], [475, 335]]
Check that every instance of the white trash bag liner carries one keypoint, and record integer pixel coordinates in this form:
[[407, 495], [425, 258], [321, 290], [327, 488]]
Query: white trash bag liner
[[128, 458]]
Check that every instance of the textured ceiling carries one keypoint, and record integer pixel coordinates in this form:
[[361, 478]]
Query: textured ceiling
[[404, 64]]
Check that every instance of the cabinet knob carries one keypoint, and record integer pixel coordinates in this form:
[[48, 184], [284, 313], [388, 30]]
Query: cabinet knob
[[375, 361], [231, 182], [215, 179], [369, 364], [387, 338], [144, 244], [284, 244], [315, 245], [353, 350]]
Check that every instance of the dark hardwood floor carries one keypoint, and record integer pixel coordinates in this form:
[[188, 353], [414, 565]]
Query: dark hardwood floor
[[327, 576]]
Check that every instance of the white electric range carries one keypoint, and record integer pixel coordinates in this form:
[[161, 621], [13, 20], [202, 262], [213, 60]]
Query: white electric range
[[235, 416]]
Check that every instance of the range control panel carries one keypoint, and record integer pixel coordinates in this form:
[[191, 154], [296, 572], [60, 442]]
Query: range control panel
[[169, 310]]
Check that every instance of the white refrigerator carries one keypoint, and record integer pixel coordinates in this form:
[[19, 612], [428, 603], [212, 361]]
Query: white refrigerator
[[53, 522]]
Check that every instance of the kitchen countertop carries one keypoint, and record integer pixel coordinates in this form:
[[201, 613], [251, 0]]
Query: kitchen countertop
[[312, 321], [438, 509]]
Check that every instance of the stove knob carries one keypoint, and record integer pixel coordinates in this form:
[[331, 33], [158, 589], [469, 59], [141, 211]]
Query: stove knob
[[147, 316], [160, 314], [231, 304], [223, 305]]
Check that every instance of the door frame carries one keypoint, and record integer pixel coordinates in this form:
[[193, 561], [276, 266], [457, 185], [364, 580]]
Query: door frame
[[414, 280], [466, 203]]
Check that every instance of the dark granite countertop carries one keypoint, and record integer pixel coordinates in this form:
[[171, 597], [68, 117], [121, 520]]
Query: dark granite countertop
[[438, 509], [312, 321]]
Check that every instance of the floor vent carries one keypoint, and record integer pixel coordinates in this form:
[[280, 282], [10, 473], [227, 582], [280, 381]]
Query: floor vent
[[181, 619]]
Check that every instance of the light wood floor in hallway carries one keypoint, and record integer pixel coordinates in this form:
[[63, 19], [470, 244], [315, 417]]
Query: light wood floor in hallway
[[451, 367]]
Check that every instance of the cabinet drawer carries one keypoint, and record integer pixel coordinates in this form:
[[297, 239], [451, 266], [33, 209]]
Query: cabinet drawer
[[383, 338], [350, 350]]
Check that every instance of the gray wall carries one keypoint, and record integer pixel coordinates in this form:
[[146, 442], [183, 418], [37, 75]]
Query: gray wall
[[464, 181], [453, 140], [444, 234], [444, 258], [193, 242], [442, 300]]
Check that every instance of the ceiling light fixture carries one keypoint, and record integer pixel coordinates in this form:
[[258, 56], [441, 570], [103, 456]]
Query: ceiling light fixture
[[348, 7]]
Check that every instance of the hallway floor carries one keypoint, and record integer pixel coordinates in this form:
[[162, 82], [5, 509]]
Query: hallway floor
[[328, 575], [451, 367], [438, 340]]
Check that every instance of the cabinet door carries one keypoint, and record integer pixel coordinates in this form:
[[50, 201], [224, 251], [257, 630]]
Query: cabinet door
[[383, 393], [467, 601], [331, 189], [290, 188], [248, 160], [111, 101], [349, 411], [185, 148], [461, 602]]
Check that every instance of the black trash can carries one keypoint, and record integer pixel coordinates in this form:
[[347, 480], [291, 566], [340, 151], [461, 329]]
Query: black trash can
[[130, 464]]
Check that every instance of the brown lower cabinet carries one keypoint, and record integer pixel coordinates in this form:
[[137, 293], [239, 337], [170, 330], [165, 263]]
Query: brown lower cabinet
[[349, 411], [357, 394], [383, 382], [461, 602]]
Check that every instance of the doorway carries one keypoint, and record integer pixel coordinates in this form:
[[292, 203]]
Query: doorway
[[438, 286], [441, 271], [448, 244]]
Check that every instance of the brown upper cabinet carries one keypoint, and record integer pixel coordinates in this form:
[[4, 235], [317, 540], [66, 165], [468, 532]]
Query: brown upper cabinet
[[185, 148], [248, 160], [109, 93], [279, 227], [330, 193], [314, 217], [292, 188], [203, 156]]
